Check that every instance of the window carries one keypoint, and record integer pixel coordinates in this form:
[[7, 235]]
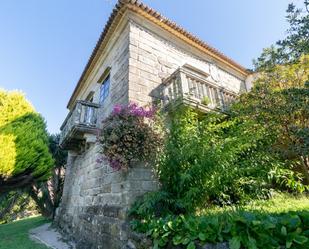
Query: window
[[104, 90]]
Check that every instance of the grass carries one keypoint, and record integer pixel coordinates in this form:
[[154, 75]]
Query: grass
[[280, 203], [15, 235]]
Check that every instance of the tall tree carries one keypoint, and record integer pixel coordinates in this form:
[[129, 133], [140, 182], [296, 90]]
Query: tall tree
[[293, 46], [279, 101], [24, 153]]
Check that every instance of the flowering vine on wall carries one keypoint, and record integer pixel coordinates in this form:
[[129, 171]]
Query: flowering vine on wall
[[130, 134]]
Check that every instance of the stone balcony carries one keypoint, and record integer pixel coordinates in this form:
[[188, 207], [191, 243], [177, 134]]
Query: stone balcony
[[79, 126], [191, 87]]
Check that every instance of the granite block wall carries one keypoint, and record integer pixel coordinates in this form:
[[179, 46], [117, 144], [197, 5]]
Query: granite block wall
[[96, 199]]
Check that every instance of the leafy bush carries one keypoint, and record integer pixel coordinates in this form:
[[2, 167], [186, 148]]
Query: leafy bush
[[239, 228], [288, 180], [243, 229], [206, 100], [278, 103], [130, 133], [214, 159]]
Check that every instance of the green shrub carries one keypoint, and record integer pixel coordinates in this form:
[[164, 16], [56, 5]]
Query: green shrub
[[215, 159], [278, 102], [206, 100], [241, 229]]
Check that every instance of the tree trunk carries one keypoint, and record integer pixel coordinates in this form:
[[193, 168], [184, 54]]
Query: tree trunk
[[14, 183], [47, 195], [42, 199]]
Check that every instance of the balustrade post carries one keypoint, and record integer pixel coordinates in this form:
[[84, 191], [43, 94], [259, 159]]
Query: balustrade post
[[184, 83], [94, 116], [77, 113], [221, 98], [165, 96]]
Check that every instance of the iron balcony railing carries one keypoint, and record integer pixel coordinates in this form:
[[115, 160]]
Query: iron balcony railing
[[81, 119]]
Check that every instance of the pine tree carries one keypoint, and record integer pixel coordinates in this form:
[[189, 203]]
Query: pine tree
[[24, 153]]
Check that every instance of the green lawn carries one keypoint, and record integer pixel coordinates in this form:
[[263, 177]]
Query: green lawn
[[15, 235], [280, 203]]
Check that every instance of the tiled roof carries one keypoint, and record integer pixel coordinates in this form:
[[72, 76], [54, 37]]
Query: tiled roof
[[137, 6]]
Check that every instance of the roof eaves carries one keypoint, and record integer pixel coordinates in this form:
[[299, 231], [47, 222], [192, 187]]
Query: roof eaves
[[134, 5], [187, 34], [117, 11]]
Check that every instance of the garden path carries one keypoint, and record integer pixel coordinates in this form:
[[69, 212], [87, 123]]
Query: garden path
[[50, 237]]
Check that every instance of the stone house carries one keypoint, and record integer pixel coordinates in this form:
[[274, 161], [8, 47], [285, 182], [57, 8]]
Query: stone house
[[141, 56]]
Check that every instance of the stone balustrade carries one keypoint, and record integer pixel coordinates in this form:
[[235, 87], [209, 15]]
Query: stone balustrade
[[81, 120], [191, 87]]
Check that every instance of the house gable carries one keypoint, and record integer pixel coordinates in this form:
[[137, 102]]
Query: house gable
[[118, 15], [156, 53]]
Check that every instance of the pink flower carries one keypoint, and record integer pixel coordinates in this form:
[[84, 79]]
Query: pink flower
[[117, 109], [115, 164]]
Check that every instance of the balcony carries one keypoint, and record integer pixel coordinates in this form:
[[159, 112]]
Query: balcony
[[190, 87], [80, 123]]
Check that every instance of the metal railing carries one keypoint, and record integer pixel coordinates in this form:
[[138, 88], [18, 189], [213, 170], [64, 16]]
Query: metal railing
[[187, 84], [83, 115]]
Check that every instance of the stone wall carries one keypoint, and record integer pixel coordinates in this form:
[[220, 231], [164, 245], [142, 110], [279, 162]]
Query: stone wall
[[95, 200], [115, 56], [93, 210], [155, 54]]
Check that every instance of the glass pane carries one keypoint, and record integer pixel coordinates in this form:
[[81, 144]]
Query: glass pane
[[101, 93], [104, 90]]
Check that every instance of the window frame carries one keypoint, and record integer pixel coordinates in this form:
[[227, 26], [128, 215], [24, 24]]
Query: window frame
[[104, 88]]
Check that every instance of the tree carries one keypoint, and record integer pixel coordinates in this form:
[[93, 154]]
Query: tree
[[57, 179], [47, 195], [16, 204], [291, 48], [279, 102], [24, 153]]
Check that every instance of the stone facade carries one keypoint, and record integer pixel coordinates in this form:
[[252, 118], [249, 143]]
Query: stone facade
[[140, 55], [96, 199], [155, 54]]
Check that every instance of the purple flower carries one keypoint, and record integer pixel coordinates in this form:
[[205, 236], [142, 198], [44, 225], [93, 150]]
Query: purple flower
[[117, 109], [134, 110], [151, 112], [115, 164]]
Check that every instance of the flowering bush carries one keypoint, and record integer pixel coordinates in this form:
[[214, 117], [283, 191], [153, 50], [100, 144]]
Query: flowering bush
[[130, 133]]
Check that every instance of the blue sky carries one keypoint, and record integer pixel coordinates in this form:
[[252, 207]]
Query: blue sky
[[44, 45]]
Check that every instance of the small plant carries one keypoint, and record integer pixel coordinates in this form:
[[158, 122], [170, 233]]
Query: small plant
[[205, 100], [130, 133], [239, 228]]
